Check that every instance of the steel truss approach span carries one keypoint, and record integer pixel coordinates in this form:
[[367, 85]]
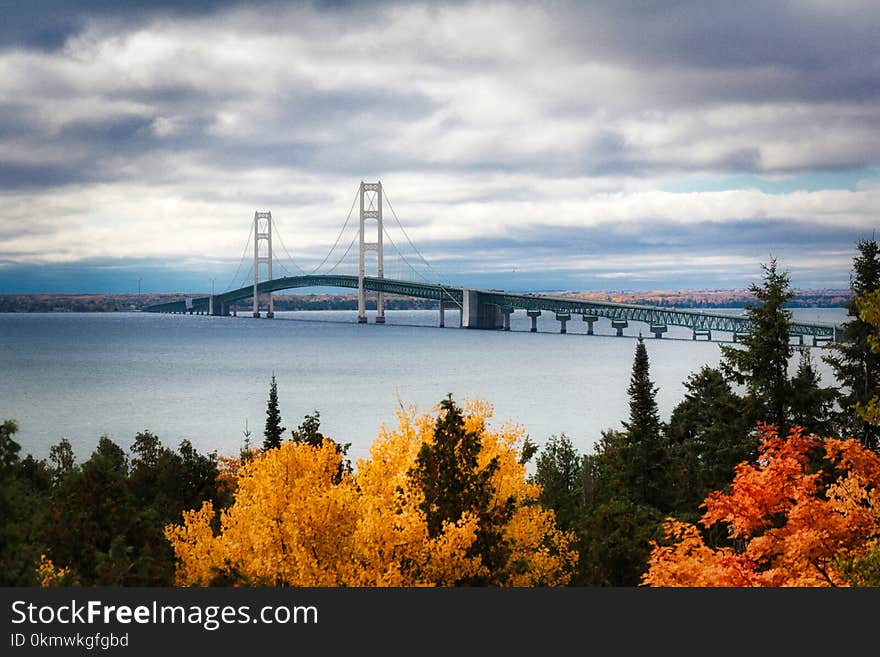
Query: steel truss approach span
[[654, 316]]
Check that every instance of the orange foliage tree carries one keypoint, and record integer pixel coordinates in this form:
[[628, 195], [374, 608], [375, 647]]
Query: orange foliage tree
[[798, 516], [296, 522]]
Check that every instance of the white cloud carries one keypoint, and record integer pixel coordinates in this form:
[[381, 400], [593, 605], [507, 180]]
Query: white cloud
[[486, 121]]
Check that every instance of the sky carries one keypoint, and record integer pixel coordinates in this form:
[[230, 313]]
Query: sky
[[522, 145]]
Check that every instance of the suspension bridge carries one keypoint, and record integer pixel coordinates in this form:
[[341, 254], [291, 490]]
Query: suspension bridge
[[476, 308]]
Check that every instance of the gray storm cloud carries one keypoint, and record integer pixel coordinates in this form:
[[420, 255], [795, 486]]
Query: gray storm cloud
[[554, 139]]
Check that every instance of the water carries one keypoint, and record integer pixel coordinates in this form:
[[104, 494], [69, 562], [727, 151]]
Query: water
[[206, 379]]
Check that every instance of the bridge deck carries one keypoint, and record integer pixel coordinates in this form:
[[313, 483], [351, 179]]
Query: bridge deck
[[698, 320]]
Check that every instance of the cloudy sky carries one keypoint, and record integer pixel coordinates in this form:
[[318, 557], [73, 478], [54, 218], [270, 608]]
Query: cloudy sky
[[523, 145]]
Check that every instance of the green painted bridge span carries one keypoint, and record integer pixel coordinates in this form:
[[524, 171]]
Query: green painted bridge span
[[654, 316]]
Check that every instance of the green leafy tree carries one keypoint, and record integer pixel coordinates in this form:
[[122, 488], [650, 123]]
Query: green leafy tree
[[24, 485], [89, 508], [856, 366], [862, 571], [761, 362], [453, 483], [708, 436], [108, 515], [273, 431]]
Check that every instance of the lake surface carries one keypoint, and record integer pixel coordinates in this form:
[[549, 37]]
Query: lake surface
[[81, 376]]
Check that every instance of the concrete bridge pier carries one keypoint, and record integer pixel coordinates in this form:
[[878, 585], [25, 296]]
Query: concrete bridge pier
[[476, 313], [562, 318], [590, 320], [507, 311], [706, 333], [235, 311], [737, 336], [448, 305], [534, 314], [619, 324], [659, 329]]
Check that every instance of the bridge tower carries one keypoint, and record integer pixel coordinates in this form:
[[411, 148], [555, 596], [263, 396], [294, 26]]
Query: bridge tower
[[371, 210], [262, 233]]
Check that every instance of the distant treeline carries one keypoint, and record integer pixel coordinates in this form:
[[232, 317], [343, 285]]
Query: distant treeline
[[80, 303], [84, 303], [718, 298]]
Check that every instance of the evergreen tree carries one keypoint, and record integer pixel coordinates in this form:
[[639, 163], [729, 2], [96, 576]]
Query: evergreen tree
[[647, 478], [9, 448], [559, 470], [627, 489], [856, 366], [273, 430], [615, 532], [309, 433], [762, 362], [614, 543], [62, 458], [708, 435], [811, 405], [453, 483]]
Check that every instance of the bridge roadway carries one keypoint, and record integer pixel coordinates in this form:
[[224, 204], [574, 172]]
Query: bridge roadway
[[491, 309]]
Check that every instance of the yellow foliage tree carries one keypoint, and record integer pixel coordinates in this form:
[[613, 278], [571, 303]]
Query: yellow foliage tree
[[49, 575], [294, 522]]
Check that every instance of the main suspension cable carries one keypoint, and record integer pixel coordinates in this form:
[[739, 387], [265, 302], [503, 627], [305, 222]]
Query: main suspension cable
[[290, 257], [339, 236], [243, 253]]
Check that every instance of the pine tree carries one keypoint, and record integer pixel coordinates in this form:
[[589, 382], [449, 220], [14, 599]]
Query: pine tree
[[560, 472], [273, 430], [708, 437], [309, 433], [856, 366], [647, 477], [453, 483], [762, 362], [810, 405]]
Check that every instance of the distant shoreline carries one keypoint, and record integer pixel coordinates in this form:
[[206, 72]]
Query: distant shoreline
[[24, 303]]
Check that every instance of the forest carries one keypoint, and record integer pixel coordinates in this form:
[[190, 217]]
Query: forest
[[762, 476]]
